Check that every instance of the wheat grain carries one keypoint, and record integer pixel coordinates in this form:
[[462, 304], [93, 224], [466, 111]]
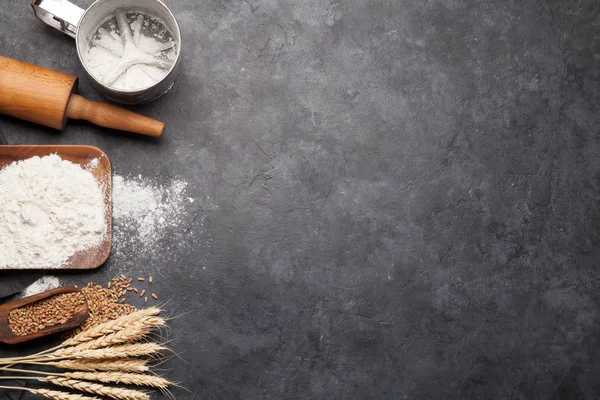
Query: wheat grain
[[56, 395], [121, 378], [103, 305], [43, 314], [94, 388], [115, 365]]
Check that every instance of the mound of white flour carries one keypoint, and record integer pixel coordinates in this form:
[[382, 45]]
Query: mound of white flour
[[50, 209]]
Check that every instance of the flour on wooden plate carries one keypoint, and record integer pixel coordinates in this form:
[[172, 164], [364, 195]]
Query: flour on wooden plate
[[50, 209]]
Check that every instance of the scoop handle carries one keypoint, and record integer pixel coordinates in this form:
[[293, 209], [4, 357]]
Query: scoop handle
[[113, 117]]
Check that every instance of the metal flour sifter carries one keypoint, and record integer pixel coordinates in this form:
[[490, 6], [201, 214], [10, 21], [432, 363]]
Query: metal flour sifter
[[131, 49]]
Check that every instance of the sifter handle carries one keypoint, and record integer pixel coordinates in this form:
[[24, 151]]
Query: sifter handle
[[59, 14]]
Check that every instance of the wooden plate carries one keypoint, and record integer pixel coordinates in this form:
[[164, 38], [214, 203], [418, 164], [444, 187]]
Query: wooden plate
[[83, 155]]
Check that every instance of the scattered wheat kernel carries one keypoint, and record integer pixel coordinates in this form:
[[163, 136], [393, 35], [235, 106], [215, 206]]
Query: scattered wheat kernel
[[141, 279], [122, 301], [136, 290], [146, 299], [155, 297], [150, 279], [122, 276], [143, 292], [109, 285], [129, 289]]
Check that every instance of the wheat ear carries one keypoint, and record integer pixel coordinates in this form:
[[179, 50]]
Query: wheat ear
[[134, 333], [112, 326], [94, 388], [56, 395], [115, 365], [51, 394], [121, 378], [122, 351]]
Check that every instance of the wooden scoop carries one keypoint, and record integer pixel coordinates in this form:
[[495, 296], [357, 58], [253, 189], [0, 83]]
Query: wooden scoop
[[48, 98], [9, 337]]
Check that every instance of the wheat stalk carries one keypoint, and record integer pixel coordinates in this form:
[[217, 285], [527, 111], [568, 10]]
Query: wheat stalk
[[51, 394], [110, 348], [121, 378], [122, 351], [56, 395], [112, 326], [146, 316], [115, 365], [94, 388], [134, 333]]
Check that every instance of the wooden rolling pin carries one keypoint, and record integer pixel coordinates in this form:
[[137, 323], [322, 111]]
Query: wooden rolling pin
[[47, 97]]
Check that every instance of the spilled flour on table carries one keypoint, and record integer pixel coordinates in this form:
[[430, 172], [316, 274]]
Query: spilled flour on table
[[148, 218]]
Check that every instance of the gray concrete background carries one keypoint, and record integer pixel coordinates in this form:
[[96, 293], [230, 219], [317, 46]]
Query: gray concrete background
[[396, 199]]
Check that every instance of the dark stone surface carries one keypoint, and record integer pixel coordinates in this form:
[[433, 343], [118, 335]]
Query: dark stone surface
[[399, 198]]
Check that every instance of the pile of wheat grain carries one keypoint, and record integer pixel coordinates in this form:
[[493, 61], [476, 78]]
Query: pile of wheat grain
[[104, 304], [43, 314]]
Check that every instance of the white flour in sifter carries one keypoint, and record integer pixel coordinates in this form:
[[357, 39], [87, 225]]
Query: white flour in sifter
[[50, 209], [131, 51]]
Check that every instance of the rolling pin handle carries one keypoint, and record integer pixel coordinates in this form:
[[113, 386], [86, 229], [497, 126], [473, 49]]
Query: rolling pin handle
[[113, 117], [59, 14]]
